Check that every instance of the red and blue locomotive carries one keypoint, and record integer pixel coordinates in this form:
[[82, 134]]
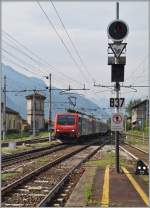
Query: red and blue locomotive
[[72, 126]]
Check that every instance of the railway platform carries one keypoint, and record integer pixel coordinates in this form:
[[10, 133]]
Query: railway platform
[[102, 186]]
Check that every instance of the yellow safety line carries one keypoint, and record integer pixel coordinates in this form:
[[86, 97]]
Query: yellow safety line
[[105, 195], [136, 186]]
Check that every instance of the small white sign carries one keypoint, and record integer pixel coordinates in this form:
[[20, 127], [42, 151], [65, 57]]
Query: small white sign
[[117, 49], [117, 122]]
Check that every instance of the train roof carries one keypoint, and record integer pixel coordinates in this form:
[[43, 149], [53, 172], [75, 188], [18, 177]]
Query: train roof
[[81, 113], [77, 113], [66, 113]]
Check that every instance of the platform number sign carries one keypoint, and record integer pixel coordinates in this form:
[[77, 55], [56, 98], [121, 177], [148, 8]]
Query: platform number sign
[[117, 102]]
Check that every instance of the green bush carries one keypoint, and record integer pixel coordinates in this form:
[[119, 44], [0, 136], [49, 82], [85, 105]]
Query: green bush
[[12, 131], [16, 135]]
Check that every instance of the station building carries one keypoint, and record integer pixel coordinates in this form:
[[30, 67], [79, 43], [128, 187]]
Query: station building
[[35, 109]]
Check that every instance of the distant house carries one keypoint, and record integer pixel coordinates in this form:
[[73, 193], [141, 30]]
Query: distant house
[[13, 119], [140, 113], [35, 109], [14, 122]]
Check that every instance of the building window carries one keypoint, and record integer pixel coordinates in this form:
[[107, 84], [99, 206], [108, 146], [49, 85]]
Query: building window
[[9, 124], [14, 124], [40, 105]]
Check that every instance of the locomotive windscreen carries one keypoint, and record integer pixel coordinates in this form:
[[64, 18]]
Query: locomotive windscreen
[[65, 120]]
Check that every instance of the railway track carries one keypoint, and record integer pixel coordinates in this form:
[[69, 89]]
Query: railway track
[[26, 141], [30, 154], [39, 187], [20, 169], [136, 153], [137, 136]]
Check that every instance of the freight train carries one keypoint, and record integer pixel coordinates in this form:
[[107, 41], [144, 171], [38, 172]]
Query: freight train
[[72, 126]]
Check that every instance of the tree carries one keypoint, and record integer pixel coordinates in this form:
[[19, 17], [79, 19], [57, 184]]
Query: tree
[[131, 104], [109, 122]]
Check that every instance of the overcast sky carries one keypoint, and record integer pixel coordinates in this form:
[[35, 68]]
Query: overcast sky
[[86, 23]]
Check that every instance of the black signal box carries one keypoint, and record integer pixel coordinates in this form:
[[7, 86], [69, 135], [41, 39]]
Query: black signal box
[[141, 168], [117, 73]]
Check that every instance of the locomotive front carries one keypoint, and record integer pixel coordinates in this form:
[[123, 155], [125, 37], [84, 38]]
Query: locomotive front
[[66, 126]]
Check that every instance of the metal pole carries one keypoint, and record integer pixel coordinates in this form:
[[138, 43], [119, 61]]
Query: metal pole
[[117, 109], [117, 132], [50, 105], [117, 10], [125, 125], [4, 110], [33, 117], [146, 123]]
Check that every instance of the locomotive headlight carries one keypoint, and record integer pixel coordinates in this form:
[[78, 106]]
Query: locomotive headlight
[[57, 129], [144, 168], [73, 130], [139, 167]]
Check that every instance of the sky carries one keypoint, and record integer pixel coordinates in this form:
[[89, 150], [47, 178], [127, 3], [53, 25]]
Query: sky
[[86, 24]]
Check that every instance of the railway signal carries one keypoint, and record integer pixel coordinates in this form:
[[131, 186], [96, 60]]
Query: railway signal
[[117, 73], [117, 31], [141, 168], [117, 48]]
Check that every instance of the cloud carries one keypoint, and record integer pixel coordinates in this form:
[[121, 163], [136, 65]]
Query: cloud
[[86, 22]]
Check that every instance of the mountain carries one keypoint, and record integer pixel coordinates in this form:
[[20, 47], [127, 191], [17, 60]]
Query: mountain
[[17, 101]]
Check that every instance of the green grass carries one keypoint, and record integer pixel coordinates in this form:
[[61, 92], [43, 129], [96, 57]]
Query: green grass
[[137, 142], [8, 150], [43, 144], [20, 148], [25, 136], [108, 158], [88, 193], [15, 136], [88, 196], [145, 178], [139, 133], [5, 176], [43, 133]]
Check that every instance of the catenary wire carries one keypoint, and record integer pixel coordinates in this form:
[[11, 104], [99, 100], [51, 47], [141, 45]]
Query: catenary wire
[[62, 41], [41, 59], [71, 41]]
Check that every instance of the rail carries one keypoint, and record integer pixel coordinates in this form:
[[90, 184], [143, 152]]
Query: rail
[[135, 153], [36, 172], [26, 141], [59, 185], [31, 154], [138, 136]]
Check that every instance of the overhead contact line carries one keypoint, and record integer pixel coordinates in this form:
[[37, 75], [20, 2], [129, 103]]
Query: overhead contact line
[[71, 41], [41, 59], [62, 41]]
